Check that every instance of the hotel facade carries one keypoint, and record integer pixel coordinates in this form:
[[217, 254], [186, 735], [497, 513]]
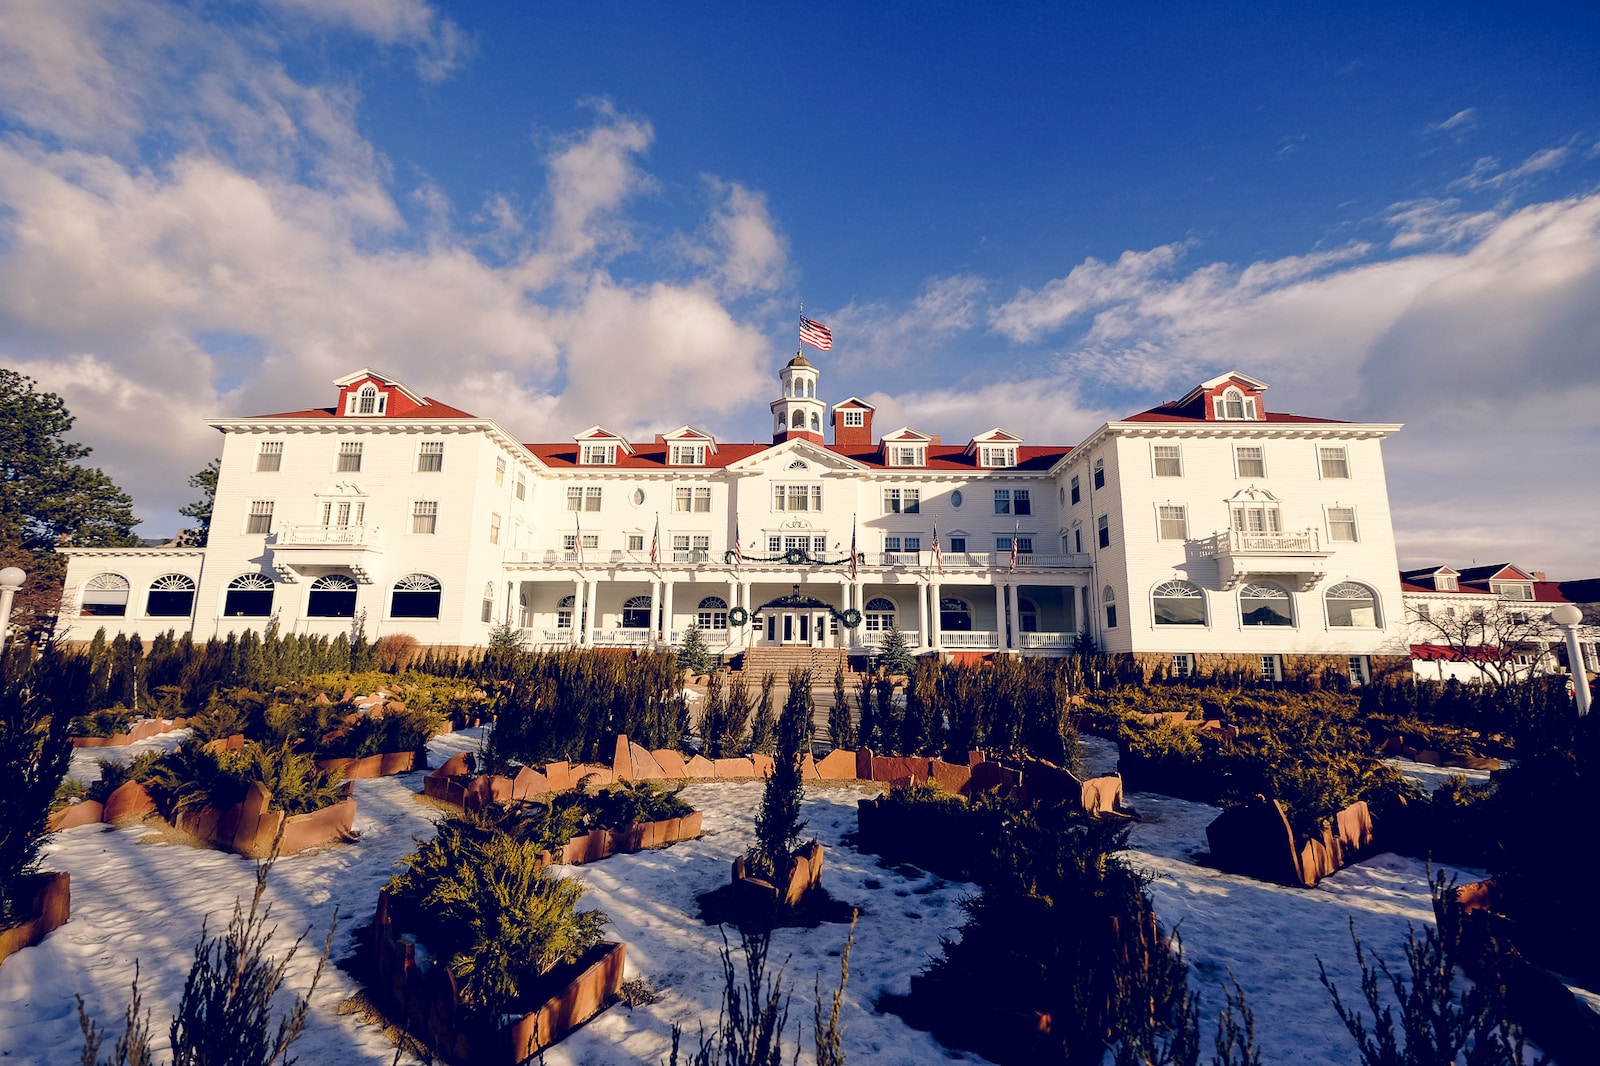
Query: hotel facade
[[1202, 531]]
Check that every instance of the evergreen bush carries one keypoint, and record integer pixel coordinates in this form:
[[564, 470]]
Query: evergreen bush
[[693, 655], [841, 727], [764, 724], [778, 823], [38, 695], [894, 654]]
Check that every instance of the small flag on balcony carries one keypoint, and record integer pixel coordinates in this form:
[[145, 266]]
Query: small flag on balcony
[[815, 334], [938, 556], [738, 548], [1014, 538], [577, 525], [852, 547], [655, 543]]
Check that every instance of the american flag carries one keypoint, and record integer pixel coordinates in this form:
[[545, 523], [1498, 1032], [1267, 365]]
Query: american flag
[[577, 525], [1014, 539], [815, 334], [938, 556], [738, 549], [655, 543], [852, 548]]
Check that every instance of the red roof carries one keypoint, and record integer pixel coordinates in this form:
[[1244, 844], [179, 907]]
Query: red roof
[[1430, 652], [654, 457], [1173, 413], [1411, 586], [1548, 592], [432, 409]]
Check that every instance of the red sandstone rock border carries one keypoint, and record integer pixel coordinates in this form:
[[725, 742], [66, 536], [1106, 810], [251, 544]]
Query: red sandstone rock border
[[50, 903], [144, 730]]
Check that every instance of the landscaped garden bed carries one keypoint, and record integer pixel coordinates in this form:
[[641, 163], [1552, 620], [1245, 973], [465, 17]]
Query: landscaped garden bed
[[43, 903]]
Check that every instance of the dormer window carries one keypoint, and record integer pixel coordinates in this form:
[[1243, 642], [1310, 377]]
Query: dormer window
[[1511, 590], [599, 454], [1235, 406], [367, 400], [1445, 582], [996, 455], [688, 455], [907, 455], [855, 419]]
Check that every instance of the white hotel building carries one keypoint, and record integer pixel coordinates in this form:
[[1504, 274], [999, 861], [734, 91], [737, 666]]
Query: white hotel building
[[1205, 528]]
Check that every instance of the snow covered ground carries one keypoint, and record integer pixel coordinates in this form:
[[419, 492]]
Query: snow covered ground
[[146, 902]]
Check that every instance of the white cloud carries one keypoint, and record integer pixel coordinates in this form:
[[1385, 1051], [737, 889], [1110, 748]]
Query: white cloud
[[265, 254], [1459, 122], [888, 337], [1432, 221], [1090, 285], [1043, 412], [1486, 172], [414, 24]]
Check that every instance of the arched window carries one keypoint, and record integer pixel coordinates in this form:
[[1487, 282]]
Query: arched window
[[1179, 603], [415, 596], [880, 613], [816, 422], [713, 613], [1350, 604], [798, 421], [1109, 598], [171, 596], [955, 615], [779, 426], [1265, 604], [564, 612], [332, 596], [249, 596], [636, 612], [367, 400], [1233, 404], [106, 596], [488, 603], [1027, 616]]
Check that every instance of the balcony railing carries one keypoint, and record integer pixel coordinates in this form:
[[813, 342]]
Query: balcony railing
[[1236, 541], [970, 638], [753, 560], [307, 536]]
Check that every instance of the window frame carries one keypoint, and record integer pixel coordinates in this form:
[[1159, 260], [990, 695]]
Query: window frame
[[1102, 526], [424, 513], [785, 493], [347, 460], [259, 515], [1157, 460], [1002, 501], [1077, 491], [1287, 598], [269, 449], [1100, 473], [1325, 456], [1372, 598], [1204, 622], [854, 418], [688, 454], [1238, 461], [1333, 525], [1181, 518], [430, 457], [597, 453]]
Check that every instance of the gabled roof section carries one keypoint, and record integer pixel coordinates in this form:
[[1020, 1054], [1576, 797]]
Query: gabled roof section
[[689, 434], [801, 448], [367, 373], [602, 435], [1235, 377], [644, 457], [907, 435], [854, 401], [1495, 572]]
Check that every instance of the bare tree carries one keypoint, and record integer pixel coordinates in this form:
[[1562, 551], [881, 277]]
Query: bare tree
[[1507, 643]]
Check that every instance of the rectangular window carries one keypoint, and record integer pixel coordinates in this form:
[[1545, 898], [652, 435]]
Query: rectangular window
[[1111, 616], [1256, 520], [688, 455], [1174, 522], [1077, 540], [1002, 501], [1099, 473], [270, 457], [1271, 668], [702, 499], [1358, 670], [1334, 462], [636, 542], [430, 459], [494, 529], [1182, 664], [1104, 526], [260, 520], [912, 544], [574, 497], [500, 470], [682, 498], [591, 498], [891, 544], [855, 419], [425, 516], [902, 501], [797, 497], [599, 454], [993, 456], [1511, 590], [1021, 501], [583, 497], [1342, 523], [906, 455], [349, 456], [1024, 545], [1424, 611], [774, 545], [522, 488], [569, 541], [1250, 461], [1077, 492], [958, 544], [1169, 460]]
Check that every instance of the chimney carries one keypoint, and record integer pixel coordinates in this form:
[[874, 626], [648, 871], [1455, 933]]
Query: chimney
[[848, 436], [1538, 575]]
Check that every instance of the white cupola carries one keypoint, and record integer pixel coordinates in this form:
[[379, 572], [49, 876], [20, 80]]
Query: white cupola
[[798, 412]]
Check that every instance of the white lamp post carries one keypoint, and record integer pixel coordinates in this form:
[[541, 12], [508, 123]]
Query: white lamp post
[[1567, 616], [11, 579]]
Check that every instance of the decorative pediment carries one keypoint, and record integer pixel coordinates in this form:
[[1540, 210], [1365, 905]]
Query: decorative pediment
[[854, 401], [906, 435], [382, 381], [690, 435], [993, 436], [776, 459], [602, 435], [1251, 494]]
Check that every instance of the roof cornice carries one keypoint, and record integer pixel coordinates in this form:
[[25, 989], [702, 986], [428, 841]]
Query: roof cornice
[[486, 426], [1245, 429]]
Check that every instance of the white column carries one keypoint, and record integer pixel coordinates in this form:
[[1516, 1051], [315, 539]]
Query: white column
[[936, 636], [655, 610], [747, 634], [1011, 617], [590, 610], [666, 611], [922, 614], [999, 615], [578, 611]]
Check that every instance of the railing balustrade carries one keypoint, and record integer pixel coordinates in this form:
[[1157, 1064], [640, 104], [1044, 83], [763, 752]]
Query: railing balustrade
[[297, 535]]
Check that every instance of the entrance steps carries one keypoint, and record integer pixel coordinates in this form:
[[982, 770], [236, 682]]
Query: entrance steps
[[822, 662]]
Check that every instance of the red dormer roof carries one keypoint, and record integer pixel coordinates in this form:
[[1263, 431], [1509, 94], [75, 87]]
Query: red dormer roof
[[940, 457]]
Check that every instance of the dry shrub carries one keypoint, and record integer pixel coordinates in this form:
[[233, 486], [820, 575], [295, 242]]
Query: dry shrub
[[395, 652]]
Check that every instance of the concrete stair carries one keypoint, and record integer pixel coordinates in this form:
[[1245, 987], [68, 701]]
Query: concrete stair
[[822, 662]]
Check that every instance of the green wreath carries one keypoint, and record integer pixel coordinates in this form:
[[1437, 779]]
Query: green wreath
[[795, 556], [850, 617], [738, 616]]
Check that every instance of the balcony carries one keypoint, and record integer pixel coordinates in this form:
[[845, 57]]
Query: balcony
[[309, 536], [796, 558], [1295, 555]]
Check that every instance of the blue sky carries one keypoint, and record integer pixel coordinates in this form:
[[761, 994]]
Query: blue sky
[[1033, 215]]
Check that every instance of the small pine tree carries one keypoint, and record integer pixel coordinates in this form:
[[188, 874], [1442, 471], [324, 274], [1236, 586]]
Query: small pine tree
[[866, 727], [712, 720], [778, 824], [894, 654], [693, 655], [841, 729], [887, 721], [764, 726], [733, 739]]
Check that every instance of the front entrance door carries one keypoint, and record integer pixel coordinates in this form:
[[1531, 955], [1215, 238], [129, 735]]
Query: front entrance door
[[790, 627]]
